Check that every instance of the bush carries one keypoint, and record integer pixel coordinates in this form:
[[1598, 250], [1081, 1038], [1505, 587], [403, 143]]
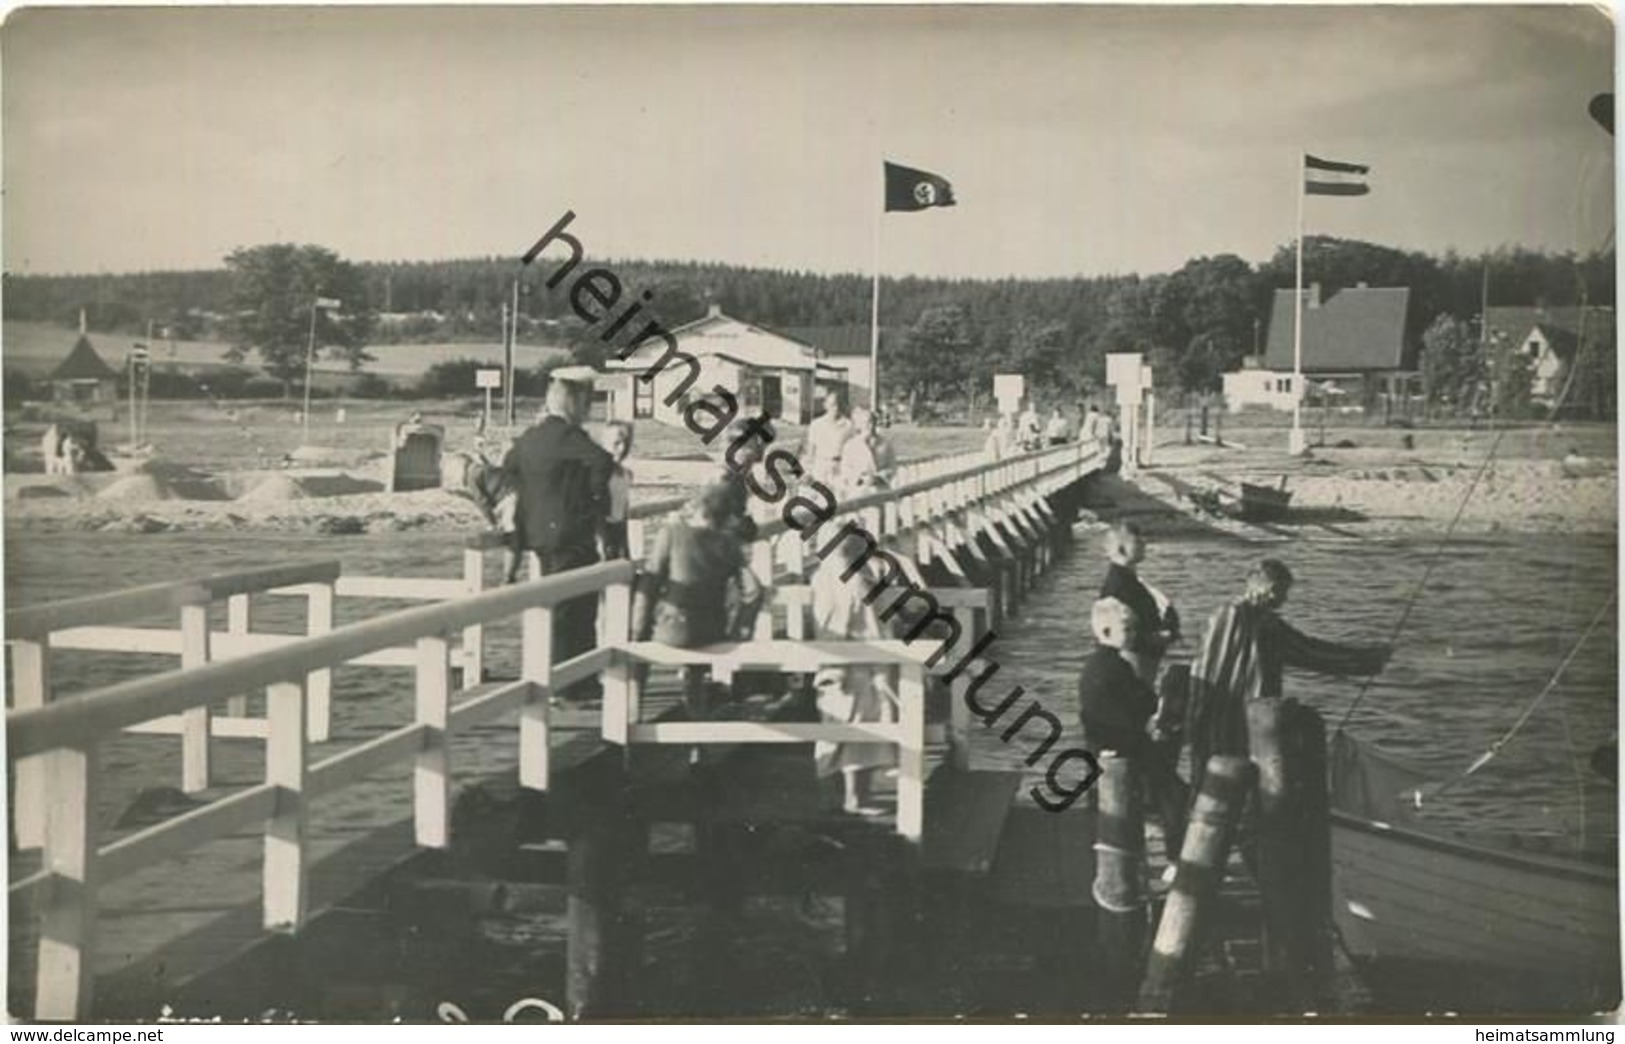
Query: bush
[[370, 386], [262, 388], [225, 383], [19, 387], [454, 377]]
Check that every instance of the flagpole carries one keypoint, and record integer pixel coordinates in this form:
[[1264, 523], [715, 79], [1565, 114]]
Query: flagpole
[[1295, 442], [310, 355], [874, 303]]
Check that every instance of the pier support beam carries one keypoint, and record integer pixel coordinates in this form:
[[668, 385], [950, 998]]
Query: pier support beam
[[603, 937]]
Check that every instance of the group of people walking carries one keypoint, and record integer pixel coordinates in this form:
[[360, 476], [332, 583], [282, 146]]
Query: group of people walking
[[1027, 430], [1131, 705]]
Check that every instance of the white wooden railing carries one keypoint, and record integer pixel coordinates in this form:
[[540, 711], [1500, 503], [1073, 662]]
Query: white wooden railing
[[64, 738]]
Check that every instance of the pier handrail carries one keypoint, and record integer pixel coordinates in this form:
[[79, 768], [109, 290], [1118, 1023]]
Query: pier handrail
[[38, 621], [87, 719]]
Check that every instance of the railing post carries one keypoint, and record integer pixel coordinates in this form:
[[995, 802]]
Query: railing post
[[431, 772], [285, 866], [196, 739], [474, 634], [620, 711], [911, 753], [536, 667], [238, 622], [319, 684], [67, 927], [761, 563], [30, 688]]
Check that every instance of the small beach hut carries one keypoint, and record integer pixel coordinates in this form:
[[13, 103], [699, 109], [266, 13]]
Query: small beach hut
[[83, 380]]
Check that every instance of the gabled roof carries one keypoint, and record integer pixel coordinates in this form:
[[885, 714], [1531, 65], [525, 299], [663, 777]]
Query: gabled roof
[[83, 364], [1560, 325], [726, 337], [1356, 329], [838, 341]]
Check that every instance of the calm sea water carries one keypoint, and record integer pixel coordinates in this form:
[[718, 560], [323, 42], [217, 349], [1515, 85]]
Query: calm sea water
[[1495, 620]]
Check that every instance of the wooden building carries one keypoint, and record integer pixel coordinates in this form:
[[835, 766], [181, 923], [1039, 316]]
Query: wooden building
[[1355, 351], [83, 381], [764, 369]]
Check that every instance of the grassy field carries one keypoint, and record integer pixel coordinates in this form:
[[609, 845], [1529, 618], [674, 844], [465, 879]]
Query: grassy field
[[243, 435], [35, 349]]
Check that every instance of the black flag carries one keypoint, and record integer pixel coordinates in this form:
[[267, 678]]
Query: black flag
[[910, 189]]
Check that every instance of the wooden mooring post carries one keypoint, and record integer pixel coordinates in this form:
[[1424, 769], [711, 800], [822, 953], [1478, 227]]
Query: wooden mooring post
[[1119, 888], [1294, 849], [601, 936], [1201, 869]]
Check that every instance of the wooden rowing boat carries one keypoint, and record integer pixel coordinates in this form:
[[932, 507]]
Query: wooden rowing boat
[[1444, 923]]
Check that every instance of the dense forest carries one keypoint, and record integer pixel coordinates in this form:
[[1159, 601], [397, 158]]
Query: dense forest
[[1194, 323]]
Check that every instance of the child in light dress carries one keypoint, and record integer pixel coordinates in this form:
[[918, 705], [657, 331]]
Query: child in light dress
[[616, 438]]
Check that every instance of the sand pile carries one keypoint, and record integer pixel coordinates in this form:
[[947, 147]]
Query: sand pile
[[136, 486], [274, 489], [338, 484]]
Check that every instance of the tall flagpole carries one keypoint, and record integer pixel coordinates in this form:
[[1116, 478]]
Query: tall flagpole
[[874, 303], [1295, 442], [310, 357]]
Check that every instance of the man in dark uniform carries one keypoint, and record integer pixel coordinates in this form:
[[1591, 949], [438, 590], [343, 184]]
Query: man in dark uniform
[[562, 477]]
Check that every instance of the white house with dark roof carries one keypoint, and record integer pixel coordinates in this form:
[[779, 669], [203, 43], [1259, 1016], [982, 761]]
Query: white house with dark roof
[[1354, 347], [1550, 337], [762, 368]]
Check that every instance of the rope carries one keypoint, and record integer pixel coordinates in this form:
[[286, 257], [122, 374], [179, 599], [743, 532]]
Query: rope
[[1433, 562], [1496, 747]]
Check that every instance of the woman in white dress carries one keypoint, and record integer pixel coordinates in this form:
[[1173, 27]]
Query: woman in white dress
[[851, 694]]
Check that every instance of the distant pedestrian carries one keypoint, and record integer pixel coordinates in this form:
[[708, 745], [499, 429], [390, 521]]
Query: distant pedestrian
[[616, 438], [868, 462], [826, 435], [1059, 430], [1029, 430], [562, 480]]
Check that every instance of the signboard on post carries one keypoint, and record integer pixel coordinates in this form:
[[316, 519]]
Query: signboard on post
[[1124, 371], [490, 380], [1009, 389]]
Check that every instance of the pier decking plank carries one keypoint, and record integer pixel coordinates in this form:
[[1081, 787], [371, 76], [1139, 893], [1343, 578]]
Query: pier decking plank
[[965, 816], [1047, 859]]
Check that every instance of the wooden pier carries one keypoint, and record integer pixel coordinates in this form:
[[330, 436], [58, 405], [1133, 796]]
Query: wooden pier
[[349, 883]]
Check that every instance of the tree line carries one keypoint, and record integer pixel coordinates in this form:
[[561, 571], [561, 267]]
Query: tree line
[[946, 337]]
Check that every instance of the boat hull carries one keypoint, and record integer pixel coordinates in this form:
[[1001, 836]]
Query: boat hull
[[1447, 925]]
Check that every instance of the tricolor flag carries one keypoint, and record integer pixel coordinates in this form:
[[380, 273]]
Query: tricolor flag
[[910, 189], [1323, 177], [327, 302]]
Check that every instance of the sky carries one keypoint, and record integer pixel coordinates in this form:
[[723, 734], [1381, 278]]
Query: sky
[[1079, 140]]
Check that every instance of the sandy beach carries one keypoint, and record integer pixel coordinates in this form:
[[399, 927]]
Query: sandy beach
[[1374, 482], [1389, 488]]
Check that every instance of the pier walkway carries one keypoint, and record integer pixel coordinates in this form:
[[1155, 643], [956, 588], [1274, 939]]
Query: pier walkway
[[284, 826]]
